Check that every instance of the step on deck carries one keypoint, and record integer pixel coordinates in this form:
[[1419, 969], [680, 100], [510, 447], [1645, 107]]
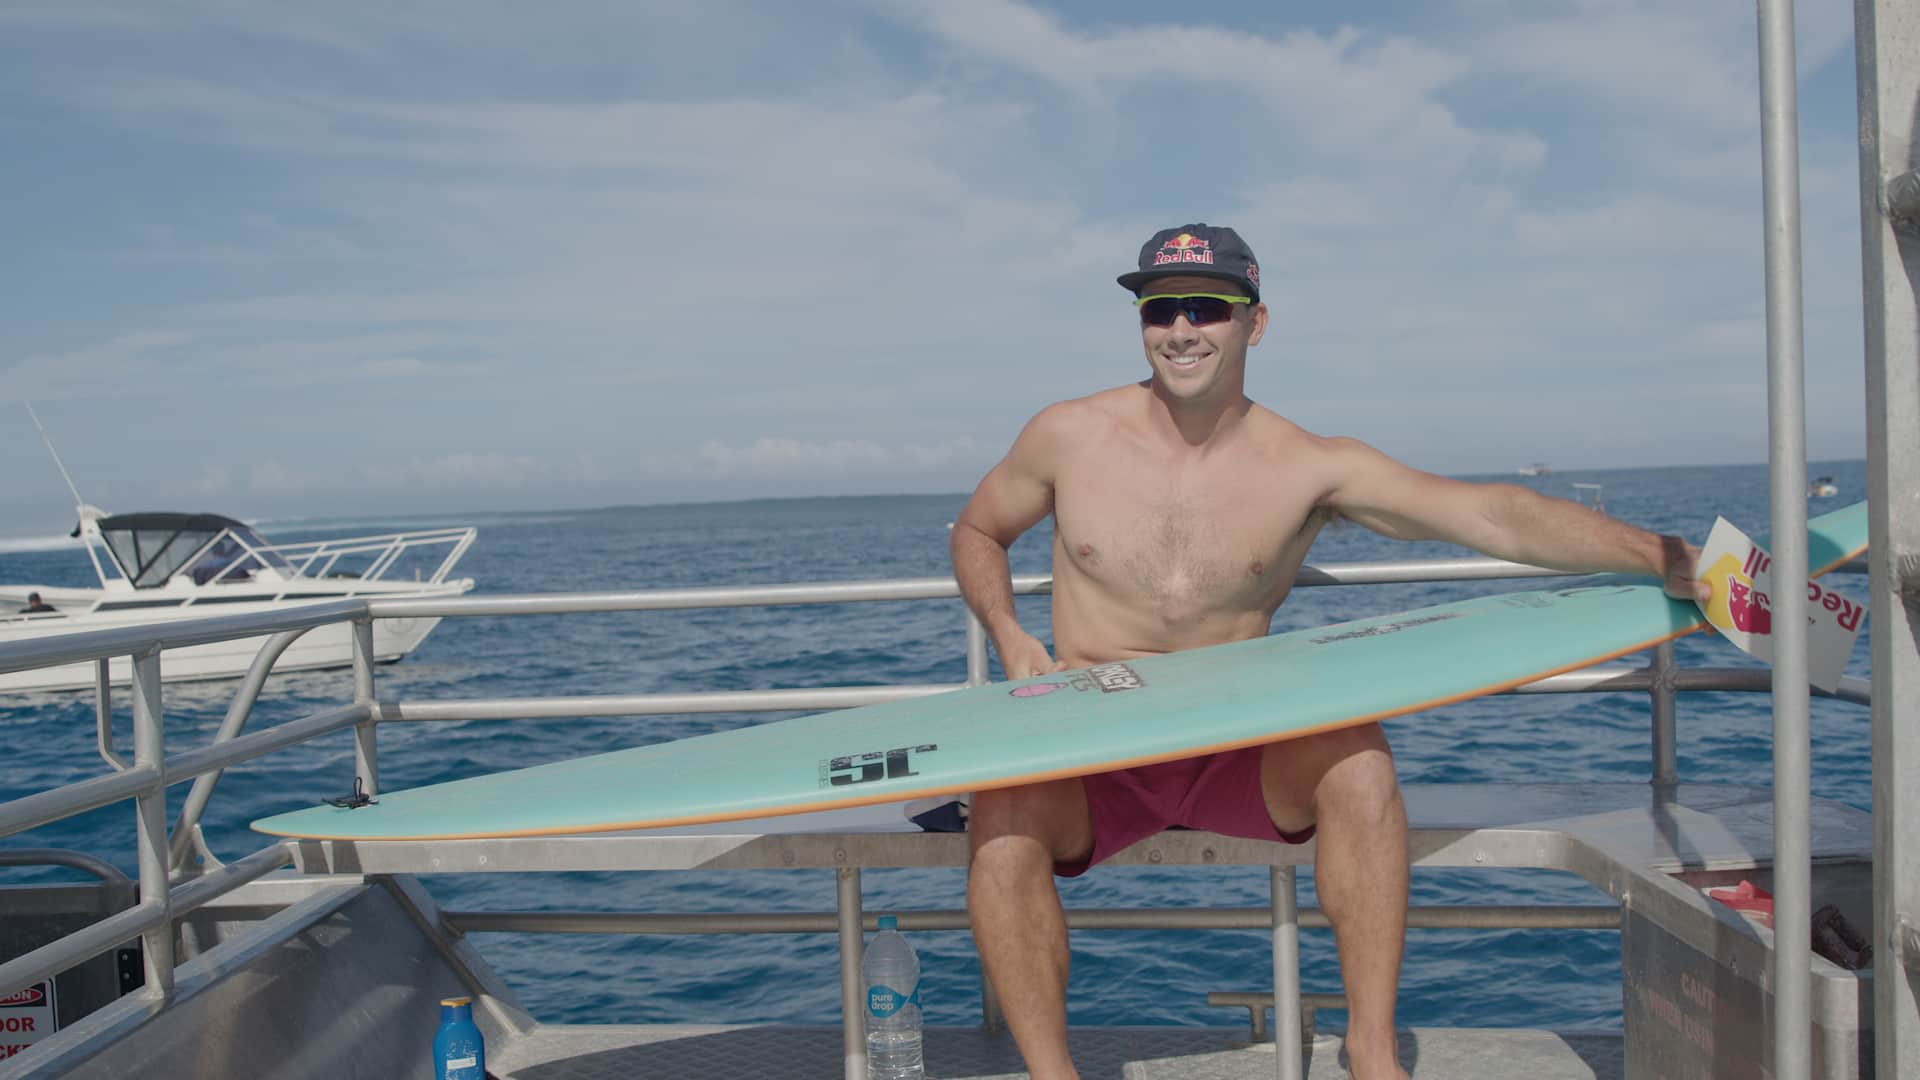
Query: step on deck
[[670, 1052]]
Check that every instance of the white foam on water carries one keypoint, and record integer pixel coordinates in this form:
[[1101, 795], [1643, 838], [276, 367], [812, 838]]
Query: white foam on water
[[37, 543]]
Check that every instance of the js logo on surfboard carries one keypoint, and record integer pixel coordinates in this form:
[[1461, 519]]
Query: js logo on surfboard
[[872, 765]]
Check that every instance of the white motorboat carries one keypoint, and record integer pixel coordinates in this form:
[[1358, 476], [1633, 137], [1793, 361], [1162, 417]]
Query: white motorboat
[[158, 567]]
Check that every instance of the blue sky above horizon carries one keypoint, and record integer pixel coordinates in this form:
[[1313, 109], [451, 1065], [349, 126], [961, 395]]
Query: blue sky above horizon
[[487, 255]]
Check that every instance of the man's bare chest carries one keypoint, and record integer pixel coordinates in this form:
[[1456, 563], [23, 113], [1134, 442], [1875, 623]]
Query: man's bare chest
[[1182, 544]]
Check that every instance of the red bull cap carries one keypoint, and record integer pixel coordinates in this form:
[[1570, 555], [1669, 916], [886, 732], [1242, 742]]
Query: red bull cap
[[1199, 250]]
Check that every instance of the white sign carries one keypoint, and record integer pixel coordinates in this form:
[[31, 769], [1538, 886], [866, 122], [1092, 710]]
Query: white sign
[[1740, 572], [26, 1018]]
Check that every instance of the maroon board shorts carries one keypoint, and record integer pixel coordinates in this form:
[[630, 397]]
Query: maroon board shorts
[[1218, 793]]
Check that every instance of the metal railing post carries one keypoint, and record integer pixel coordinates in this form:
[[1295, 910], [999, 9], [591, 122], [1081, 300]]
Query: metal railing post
[[1886, 36], [366, 739], [1787, 489], [150, 822], [1289, 1054], [103, 715], [186, 827], [853, 1012], [976, 650], [1666, 754]]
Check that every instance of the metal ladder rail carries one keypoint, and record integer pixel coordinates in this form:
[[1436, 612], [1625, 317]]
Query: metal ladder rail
[[1886, 43]]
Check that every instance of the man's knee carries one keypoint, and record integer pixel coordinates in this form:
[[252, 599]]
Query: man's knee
[[1347, 770], [1362, 785], [1017, 822]]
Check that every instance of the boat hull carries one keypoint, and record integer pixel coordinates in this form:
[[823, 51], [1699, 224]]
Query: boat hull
[[322, 647]]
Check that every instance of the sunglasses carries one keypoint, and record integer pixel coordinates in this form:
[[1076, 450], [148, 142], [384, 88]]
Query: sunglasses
[[1201, 309]]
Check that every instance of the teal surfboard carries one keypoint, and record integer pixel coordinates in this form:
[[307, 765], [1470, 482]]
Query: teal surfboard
[[1109, 716]]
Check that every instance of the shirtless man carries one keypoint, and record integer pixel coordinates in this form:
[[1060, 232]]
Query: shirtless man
[[1181, 512]]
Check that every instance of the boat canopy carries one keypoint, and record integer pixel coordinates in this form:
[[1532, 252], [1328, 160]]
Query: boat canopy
[[151, 548]]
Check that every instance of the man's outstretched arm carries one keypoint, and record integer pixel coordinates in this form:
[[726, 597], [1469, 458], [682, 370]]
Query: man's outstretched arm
[[1503, 520]]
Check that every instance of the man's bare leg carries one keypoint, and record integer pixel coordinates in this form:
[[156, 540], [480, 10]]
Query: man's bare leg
[[1359, 870], [1015, 835]]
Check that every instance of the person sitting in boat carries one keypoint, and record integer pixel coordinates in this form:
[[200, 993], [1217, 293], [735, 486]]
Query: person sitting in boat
[[219, 562], [35, 605], [1182, 511]]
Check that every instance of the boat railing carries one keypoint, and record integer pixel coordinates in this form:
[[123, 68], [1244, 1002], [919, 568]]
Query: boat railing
[[323, 558], [172, 882]]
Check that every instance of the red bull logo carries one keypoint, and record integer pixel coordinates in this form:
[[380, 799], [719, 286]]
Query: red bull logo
[[1185, 248], [1752, 611], [1737, 605]]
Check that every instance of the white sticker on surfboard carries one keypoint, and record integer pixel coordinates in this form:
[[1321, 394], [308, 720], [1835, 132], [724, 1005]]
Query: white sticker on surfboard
[[1740, 572]]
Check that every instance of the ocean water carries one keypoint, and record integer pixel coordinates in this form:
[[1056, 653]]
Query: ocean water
[[1552, 979]]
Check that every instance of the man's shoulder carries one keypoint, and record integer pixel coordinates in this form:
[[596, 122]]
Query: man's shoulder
[[1277, 434], [1076, 416], [1283, 434]]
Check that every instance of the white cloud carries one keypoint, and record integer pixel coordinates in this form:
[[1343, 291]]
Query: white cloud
[[775, 457], [105, 367], [214, 480], [890, 244], [470, 470]]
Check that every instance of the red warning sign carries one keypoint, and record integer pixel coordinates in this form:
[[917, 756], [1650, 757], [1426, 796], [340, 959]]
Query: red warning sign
[[26, 1017]]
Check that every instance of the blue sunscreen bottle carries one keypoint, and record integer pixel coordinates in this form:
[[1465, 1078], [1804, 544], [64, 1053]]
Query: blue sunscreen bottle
[[458, 1053]]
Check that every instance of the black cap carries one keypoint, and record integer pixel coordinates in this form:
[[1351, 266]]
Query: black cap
[[1197, 251]]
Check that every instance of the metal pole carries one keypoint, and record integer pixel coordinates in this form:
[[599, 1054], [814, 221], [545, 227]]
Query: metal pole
[[366, 739], [1787, 491], [150, 822], [853, 1012], [1666, 754], [186, 825], [976, 650], [103, 716], [1890, 265], [1289, 1055]]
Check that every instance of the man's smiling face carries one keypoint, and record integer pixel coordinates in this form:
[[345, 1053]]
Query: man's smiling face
[[1198, 364]]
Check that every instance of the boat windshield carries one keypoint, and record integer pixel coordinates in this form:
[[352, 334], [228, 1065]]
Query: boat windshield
[[151, 548], [234, 557], [150, 556]]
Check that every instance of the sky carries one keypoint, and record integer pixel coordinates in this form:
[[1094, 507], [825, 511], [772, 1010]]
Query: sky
[[441, 256]]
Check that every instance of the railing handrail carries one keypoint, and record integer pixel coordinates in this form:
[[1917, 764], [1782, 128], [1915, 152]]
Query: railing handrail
[[89, 645], [304, 554], [147, 642], [373, 540]]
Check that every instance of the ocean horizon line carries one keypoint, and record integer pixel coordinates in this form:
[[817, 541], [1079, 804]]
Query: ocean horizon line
[[40, 541]]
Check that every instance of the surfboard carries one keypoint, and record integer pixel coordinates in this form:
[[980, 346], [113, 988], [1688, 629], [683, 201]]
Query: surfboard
[[1070, 723]]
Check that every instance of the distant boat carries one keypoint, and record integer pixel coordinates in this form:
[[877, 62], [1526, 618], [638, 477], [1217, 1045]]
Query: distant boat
[[1538, 468], [1823, 487], [159, 567]]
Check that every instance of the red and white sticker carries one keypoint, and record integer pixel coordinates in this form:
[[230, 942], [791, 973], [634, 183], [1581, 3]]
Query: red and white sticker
[[27, 1017], [1741, 573]]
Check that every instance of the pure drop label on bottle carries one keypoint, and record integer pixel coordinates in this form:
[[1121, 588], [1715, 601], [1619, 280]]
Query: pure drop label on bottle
[[884, 1001], [463, 1063]]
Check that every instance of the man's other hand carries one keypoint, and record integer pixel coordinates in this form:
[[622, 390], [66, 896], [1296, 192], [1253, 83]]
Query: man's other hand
[[1023, 656], [1683, 566]]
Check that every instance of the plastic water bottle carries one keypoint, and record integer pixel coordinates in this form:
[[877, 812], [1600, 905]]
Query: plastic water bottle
[[892, 976], [458, 1053]]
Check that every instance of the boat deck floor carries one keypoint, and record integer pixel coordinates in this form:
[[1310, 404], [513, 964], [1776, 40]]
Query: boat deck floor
[[646, 1052]]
